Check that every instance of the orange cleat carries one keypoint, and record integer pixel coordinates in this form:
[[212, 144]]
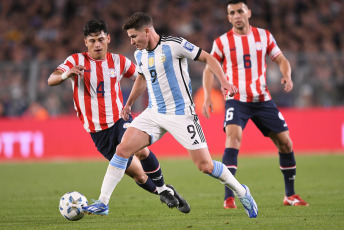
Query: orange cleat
[[294, 200], [229, 203]]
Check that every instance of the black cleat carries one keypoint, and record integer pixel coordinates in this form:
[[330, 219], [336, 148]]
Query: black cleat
[[167, 198], [183, 204]]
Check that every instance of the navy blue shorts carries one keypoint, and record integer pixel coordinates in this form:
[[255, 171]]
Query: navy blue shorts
[[264, 115], [107, 140]]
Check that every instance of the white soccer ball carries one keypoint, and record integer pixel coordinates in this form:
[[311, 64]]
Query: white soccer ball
[[71, 205]]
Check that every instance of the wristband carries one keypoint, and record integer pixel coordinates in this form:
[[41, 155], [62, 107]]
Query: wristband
[[64, 76]]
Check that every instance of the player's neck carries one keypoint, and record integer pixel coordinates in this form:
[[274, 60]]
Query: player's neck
[[153, 41]]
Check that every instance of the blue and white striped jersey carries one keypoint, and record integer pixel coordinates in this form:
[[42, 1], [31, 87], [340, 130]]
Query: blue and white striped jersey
[[166, 71]]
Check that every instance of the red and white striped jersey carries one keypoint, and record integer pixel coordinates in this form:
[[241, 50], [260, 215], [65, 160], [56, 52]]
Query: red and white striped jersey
[[97, 95], [243, 61]]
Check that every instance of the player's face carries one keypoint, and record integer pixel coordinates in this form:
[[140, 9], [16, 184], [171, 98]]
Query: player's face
[[97, 45], [238, 15], [138, 38]]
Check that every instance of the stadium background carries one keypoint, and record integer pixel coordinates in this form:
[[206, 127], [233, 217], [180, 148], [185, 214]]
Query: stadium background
[[39, 122]]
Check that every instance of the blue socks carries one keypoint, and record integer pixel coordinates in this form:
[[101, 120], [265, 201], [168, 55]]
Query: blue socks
[[288, 168], [230, 159]]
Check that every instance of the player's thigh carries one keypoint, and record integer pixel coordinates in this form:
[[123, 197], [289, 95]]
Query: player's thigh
[[186, 129], [135, 171], [149, 122], [133, 140], [268, 118]]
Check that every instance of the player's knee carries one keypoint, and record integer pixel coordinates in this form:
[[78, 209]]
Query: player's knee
[[233, 141], [141, 179], [142, 154], [121, 151], [285, 146], [206, 167]]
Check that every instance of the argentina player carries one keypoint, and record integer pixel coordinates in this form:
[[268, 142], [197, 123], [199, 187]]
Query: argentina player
[[162, 62]]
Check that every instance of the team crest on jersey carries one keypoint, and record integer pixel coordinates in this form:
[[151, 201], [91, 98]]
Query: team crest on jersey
[[258, 46], [112, 73], [162, 57], [189, 46], [126, 125], [151, 61]]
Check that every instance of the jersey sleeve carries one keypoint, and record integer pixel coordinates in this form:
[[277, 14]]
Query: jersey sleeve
[[217, 50], [272, 48], [186, 49], [69, 63], [130, 69]]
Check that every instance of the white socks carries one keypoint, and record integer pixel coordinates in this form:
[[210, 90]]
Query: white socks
[[221, 172], [112, 177]]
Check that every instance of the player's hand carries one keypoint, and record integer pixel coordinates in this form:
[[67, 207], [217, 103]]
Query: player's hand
[[288, 84], [76, 70], [207, 105], [125, 112], [231, 89]]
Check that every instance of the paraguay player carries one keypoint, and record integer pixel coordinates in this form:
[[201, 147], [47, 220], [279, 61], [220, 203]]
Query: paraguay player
[[97, 95], [242, 52]]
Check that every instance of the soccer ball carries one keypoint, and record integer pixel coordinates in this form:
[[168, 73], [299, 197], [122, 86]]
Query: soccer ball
[[71, 205]]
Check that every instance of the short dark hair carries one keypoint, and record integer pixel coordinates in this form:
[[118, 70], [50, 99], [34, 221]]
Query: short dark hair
[[95, 26], [137, 21], [236, 2]]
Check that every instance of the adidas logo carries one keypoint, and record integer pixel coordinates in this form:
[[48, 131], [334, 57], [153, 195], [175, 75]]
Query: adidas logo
[[195, 142]]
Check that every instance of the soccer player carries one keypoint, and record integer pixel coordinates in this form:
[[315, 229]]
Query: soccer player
[[97, 95], [242, 52], [163, 64]]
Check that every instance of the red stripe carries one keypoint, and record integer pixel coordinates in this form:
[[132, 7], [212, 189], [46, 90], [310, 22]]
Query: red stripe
[[248, 71], [122, 63], [87, 95], [271, 46], [234, 62], [75, 91], [130, 71], [113, 81], [259, 61], [101, 96], [69, 64], [220, 46]]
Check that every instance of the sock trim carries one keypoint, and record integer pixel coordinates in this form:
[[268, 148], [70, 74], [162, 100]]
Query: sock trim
[[153, 170], [218, 168], [119, 162], [287, 168]]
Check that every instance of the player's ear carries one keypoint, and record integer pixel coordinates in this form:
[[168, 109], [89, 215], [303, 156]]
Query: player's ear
[[146, 31], [109, 38], [249, 13], [85, 42]]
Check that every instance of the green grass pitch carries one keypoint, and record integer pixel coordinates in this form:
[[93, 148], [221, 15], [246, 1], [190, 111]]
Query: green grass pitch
[[30, 193]]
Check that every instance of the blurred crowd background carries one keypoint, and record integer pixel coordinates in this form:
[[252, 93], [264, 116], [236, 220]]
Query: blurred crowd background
[[37, 35]]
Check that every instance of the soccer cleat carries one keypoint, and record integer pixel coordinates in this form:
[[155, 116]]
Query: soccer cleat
[[183, 204], [294, 200], [97, 208], [167, 198], [249, 204], [229, 203]]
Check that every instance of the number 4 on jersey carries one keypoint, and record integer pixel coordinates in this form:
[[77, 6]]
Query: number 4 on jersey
[[100, 88]]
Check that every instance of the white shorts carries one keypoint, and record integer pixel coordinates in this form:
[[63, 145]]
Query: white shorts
[[186, 129]]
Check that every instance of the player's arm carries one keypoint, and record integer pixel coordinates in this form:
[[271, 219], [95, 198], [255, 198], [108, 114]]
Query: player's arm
[[285, 69], [138, 88], [58, 76], [216, 69], [208, 79]]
